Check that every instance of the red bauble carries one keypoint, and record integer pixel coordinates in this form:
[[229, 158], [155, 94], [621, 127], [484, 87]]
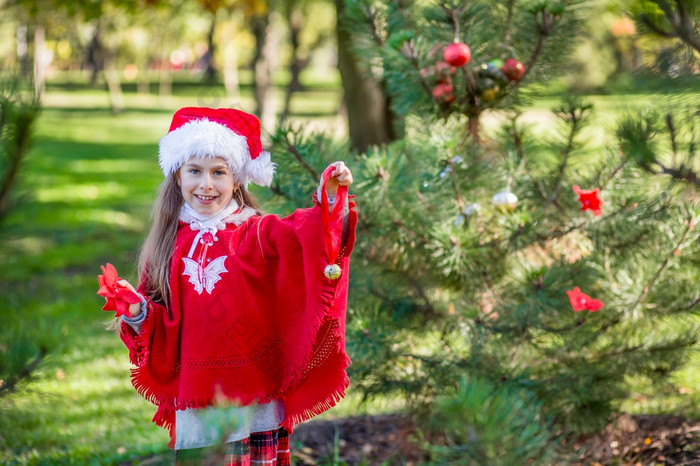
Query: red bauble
[[513, 69], [444, 68], [444, 91], [457, 54]]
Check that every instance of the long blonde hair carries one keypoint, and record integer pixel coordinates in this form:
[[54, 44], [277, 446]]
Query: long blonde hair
[[157, 250]]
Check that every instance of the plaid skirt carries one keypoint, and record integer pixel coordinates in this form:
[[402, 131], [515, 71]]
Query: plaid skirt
[[261, 448]]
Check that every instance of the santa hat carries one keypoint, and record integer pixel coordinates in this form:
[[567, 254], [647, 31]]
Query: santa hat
[[217, 132]]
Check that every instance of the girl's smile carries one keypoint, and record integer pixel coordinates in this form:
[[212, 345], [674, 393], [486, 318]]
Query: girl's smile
[[206, 184]]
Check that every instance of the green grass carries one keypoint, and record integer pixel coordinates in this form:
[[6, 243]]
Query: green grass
[[88, 185], [90, 178]]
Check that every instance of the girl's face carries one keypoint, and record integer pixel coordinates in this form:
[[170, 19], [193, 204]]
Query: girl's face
[[206, 184]]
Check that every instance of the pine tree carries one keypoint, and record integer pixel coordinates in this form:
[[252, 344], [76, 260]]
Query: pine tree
[[491, 287], [23, 346]]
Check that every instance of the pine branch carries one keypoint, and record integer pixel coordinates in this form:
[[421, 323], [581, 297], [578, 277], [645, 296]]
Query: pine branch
[[675, 345], [574, 326], [687, 308], [9, 385], [611, 176], [371, 17], [508, 24], [421, 293], [637, 137], [544, 29], [682, 174], [517, 140], [534, 57], [473, 109], [409, 51], [15, 145], [574, 114], [580, 359], [453, 182], [410, 232], [275, 189], [682, 24], [654, 27], [672, 135], [687, 29], [648, 286], [292, 149], [427, 308], [430, 361]]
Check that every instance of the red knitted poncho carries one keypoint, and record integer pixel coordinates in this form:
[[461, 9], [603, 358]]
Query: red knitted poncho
[[252, 319]]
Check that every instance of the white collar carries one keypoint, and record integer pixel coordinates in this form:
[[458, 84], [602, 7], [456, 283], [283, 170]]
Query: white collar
[[217, 221]]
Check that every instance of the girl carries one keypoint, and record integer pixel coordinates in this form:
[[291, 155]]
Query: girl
[[242, 315]]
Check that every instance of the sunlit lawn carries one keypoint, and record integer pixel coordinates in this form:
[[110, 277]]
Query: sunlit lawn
[[89, 181]]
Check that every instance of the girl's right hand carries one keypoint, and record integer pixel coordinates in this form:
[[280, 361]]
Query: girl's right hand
[[134, 309]]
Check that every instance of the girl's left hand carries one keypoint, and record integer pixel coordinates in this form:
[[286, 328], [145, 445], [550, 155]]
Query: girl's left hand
[[341, 176]]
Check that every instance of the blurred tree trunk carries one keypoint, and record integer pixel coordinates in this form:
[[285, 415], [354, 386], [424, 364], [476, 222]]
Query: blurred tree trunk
[[301, 56], [116, 98], [370, 120], [231, 81], [210, 73], [294, 20], [143, 81], [165, 86], [94, 56], [39, 62], [23, 51], [230, 66], [263, 62]]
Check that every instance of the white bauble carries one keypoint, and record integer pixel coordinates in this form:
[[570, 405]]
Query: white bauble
[[504, 201], [472, 209]]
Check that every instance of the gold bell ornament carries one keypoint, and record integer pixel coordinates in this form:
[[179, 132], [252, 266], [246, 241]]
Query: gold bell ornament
[[332, 271]]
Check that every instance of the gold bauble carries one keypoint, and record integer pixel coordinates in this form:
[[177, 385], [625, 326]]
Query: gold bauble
[[332, 271], [505, 201], [487, 95]]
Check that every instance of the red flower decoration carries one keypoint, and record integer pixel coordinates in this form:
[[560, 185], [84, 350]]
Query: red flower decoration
[[582, 302], [589, 199], [118, 296]]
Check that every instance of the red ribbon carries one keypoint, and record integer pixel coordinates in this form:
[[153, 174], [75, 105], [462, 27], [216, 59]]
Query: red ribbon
[[332, 219]]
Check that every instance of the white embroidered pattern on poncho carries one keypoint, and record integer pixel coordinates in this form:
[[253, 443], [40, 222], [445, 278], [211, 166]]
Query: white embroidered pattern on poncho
[[204, 278]]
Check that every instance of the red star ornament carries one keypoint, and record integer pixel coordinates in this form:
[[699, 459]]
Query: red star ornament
[[582, 302], [589, 199], [118, 297]]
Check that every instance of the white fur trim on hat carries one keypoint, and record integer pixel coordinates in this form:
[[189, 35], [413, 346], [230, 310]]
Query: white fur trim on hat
[[261, 169], [203, 138]]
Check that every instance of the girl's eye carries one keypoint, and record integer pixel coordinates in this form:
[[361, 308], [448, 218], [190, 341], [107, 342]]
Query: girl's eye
[[194, 171], [219, 172]]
